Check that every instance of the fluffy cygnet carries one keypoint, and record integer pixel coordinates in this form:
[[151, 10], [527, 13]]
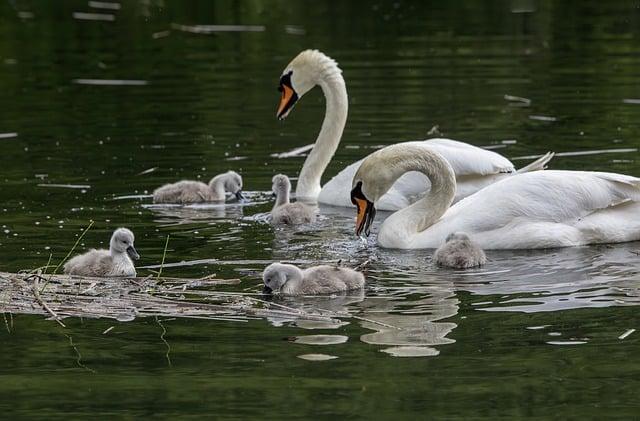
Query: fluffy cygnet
[[284, 212], [459, 252], [196, 192], [323, 279], [105, 263]]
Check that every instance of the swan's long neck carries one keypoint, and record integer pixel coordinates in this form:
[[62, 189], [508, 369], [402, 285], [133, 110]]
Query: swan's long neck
[[335, 117], [399, 229], [294, 279]]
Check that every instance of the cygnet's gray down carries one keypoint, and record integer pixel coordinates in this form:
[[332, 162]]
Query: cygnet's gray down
[[324, 279], [459, 252], [107, 263], [283, 211], [186, 191]]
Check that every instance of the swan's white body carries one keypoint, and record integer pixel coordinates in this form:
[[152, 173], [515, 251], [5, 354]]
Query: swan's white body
[[474, 167], [541, 209]]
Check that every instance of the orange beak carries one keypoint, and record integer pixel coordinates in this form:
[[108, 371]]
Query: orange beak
[[365, 216], [287, 100]]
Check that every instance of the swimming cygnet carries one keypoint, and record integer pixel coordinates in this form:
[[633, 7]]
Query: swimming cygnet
[[323, 279], [104, 263], [284, 212], [186, 191], [459, 252]]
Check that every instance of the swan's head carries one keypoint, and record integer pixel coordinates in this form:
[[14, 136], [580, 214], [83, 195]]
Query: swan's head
[[303, 73], [374, 178], [122, 242], [276, 275], [232, 183], [280, 184]]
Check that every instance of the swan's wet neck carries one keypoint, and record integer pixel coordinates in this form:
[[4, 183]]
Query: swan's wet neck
[[335, 117], [406, 223]]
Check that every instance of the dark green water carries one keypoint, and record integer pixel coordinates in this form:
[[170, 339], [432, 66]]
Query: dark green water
[[533, 334]]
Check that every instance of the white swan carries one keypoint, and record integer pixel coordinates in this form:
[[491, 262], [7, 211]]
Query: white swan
[[534, 210], [459, 252], [474, 167], [285, 212], [113, 262], [322, 279]]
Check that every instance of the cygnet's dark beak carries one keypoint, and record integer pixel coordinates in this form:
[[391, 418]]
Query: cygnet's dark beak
[[131, 251], [239, 195], [266, 290]]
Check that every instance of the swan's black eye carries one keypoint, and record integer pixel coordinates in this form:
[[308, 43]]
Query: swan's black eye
[[268, 280]]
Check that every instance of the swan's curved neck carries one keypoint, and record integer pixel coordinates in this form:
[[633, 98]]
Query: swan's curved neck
[[335, 117], [294, 278], [402, 226]]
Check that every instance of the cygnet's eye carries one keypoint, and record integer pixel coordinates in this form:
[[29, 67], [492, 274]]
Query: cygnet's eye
[[268, 280]]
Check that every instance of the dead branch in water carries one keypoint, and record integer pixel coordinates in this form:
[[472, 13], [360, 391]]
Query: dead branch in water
[[125, 299]]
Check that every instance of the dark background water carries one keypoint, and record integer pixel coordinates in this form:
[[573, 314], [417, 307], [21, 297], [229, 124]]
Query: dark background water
[[531, 334]]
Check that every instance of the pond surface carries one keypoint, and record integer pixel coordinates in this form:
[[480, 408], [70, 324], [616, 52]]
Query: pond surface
[[101, 106]]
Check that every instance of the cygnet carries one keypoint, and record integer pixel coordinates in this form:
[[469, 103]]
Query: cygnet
[[324, 279], [459, 252], [106, 263], [283, 211], [186, 191]]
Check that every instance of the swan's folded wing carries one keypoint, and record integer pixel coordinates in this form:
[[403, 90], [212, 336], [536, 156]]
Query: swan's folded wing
[[545, 196], [468, 159]]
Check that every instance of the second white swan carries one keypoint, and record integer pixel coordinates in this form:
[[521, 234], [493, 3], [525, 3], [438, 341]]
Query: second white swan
[[541, 209], [474, 167]]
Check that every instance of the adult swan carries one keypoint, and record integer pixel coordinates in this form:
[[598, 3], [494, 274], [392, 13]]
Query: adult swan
[[535, 210], [474, 167]]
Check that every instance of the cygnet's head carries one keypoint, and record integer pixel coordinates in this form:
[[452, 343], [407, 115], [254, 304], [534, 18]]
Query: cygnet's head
[[276, 275], [233, 183], [122, 242], [303, 73], [457, 236], [280, 184]]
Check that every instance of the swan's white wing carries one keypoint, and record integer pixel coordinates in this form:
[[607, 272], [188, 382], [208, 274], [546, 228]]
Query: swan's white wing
[[467, 159], [474, 168], [546, 209]]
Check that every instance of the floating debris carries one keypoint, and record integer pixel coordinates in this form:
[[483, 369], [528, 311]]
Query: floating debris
[[294, 30], [25, 15], [110, 82], [160, 34], [564, 343], [148, 171], [94, 16], [317, 357], [625, 334], [579, 153], [518, 99], [104, 5], [542, 118], [631, 101], [125, 299], [538, 327], [8, 135], [294, 152], [509, 141], [66, 186], [434, 131], [210, 29]]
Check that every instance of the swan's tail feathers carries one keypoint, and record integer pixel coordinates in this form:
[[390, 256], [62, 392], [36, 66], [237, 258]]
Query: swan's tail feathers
[[539, 164]]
